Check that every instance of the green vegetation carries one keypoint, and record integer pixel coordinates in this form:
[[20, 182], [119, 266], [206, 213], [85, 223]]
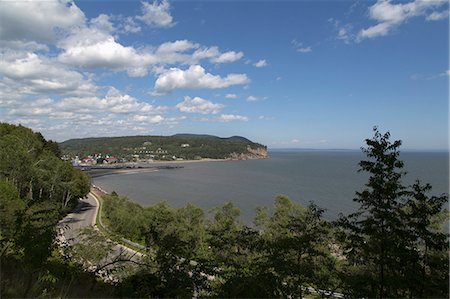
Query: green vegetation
[[394, 243], [36, 190], [186, 146], [393, 246]]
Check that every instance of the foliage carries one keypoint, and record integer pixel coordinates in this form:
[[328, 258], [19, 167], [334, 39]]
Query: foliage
[[222, 257], [393, 246], [389, 242], [36, 189]]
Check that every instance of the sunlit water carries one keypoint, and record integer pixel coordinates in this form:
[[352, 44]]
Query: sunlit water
[[329, 178]]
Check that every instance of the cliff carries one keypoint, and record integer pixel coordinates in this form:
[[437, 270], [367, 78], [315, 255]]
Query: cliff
[[251, 154]]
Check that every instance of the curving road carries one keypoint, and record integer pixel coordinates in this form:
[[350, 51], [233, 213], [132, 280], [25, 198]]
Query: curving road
[[83, 216]]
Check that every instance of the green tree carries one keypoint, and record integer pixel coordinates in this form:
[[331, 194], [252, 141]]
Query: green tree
[[297, 239], [382, 238], [238, 257], [36, 189], [427, 260]]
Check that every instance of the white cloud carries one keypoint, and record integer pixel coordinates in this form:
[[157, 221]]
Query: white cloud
[[102, 23], [94, 48], [264, 117], [85, 114], [199, 105], [437, 15], [389, 16], [38, 21], [156, 14], [304, 50], [252, 98], [232, 117], [129, 25], [194, 77], [29, 73], [231, 96], [114, 101], [152, 119], [214, 55], [260, 63], [176, 46], [299, 47], [295, 141], [344, 31], [230, 56]]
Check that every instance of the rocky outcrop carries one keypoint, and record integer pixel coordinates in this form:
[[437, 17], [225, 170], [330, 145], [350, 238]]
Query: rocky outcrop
[[251, 154]]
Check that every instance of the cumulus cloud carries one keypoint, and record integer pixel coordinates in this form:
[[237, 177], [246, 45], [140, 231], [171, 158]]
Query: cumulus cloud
[[389, 16], [156, 14], [38, 21], [95, 47], [232, 117], [260, 63], [49, 48], [152, 119], [92, 47], [230, 56], [103, 23], [214, 55], [193, 78], [114, 101], [30, 73], [92, 114], [199, 105]]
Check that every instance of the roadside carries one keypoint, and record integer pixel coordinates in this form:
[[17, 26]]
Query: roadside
[[100, 257], [128, 245]]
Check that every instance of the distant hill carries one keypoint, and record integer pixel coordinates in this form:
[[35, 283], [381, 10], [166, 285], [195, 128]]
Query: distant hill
[[184, 146]]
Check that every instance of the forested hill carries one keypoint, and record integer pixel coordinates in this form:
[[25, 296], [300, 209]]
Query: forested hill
[[184, 146]]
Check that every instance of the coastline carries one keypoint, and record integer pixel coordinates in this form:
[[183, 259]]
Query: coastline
[[125, 168]]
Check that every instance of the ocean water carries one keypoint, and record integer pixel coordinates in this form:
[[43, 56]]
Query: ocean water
[[329, 178]]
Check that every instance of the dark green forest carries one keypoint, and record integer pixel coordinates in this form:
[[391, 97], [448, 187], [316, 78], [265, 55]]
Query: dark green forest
[[200, 146], [394, 246], [36, 190]]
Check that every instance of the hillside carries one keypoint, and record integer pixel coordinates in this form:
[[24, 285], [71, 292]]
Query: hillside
[[180, 146]]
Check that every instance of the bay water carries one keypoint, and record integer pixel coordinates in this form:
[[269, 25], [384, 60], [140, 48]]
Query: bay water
[[328, 178]]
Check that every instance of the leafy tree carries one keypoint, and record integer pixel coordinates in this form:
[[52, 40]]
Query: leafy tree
[[36, 189], [380, 238], [297, 239], [427, 260], [239, 263]]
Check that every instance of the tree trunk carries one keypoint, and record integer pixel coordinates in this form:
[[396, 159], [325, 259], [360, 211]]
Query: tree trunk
[[66, 200]]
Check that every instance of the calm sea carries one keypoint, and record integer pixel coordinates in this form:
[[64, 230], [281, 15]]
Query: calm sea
[[329, 178]]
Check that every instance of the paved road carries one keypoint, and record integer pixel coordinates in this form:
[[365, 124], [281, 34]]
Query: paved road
[[83, 216]]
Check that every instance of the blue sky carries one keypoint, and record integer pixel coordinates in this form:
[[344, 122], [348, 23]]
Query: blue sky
[[289, 74]]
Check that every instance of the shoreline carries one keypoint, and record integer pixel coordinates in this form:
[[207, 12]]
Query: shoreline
[[118, 169], [133, 165]]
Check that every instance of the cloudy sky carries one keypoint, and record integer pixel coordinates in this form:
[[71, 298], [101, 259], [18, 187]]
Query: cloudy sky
[[289, 74]]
